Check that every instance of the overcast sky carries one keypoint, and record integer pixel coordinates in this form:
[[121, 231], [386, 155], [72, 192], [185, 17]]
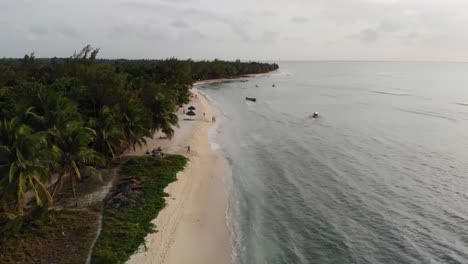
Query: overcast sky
[[244, 29]]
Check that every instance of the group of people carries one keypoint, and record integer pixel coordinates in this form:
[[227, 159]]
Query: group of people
[[159, 151], [156, 152]]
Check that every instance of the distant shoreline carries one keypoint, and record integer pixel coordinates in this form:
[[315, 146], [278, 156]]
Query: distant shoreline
[[244, 77]]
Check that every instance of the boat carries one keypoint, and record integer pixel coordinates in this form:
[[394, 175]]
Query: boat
[[315, 115], [251, 99]]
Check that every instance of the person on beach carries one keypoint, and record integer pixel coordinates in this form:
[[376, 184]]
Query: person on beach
[[188, 149]]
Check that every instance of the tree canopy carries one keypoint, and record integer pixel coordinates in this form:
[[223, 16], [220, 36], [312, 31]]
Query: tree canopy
[[69, 116]]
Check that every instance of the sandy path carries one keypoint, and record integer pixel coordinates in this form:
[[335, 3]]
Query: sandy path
[[192, 227]]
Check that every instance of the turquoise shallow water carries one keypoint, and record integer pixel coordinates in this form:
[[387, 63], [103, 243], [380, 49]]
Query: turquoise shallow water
[[380, 177]]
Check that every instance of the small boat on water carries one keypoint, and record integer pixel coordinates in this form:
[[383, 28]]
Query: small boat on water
[[251, 99], [315, 115], [273, 85]]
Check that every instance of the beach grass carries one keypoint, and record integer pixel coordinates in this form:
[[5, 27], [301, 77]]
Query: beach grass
[[124, 228], [49, 236]]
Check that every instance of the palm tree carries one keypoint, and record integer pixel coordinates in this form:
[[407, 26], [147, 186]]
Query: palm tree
[[53, 109], [110, 135], [23, 166], [157, 98], [73, 154], [136, 123], [163, 115]]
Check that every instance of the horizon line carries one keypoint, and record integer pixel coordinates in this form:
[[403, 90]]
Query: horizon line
[[267, 60]]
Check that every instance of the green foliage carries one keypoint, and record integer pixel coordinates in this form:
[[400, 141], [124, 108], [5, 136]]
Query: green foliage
[[48, 236], [72, 152], [64, 116], [23, 165], [202, 70], [131, 224]]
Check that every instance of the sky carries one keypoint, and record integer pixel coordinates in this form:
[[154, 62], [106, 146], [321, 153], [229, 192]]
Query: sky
[[432, 30]]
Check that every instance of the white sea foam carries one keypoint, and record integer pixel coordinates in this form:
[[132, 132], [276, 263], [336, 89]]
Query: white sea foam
[[214, 130]]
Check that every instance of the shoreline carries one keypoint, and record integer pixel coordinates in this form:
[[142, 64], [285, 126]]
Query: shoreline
[[244, 77], [192, 228]]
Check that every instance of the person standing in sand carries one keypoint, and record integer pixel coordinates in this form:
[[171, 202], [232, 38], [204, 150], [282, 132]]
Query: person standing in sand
[[188, 149]]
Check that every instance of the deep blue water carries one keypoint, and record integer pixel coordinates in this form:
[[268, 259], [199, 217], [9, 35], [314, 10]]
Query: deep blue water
[[380, 177]]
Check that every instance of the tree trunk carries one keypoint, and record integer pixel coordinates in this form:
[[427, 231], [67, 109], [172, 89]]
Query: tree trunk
[[56, 184], [74, 190]]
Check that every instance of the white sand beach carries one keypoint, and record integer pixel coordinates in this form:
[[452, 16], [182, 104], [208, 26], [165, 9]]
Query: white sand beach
[[192, 227]]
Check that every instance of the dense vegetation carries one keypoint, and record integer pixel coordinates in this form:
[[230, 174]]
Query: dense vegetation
[[62, 119], [130, 222], [52, 236]]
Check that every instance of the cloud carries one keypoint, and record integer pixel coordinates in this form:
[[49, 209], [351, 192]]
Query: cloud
[[269, 36], [67, 31], [389, 26], [365, 36], [141, 31], [179, 23], [239, 28], [410, 37], [134, 4], [195, 34], [177, 1], [368, 35], [53, 31], [39, 30], [299, 19]]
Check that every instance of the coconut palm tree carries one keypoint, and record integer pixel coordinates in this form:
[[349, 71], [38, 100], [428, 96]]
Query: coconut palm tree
[[163, 115], [53, 109], [73, 154], [23, 166], [110, 137], [136, 123]]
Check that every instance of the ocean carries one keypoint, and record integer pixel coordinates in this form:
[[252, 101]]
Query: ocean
[[380, 177]]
